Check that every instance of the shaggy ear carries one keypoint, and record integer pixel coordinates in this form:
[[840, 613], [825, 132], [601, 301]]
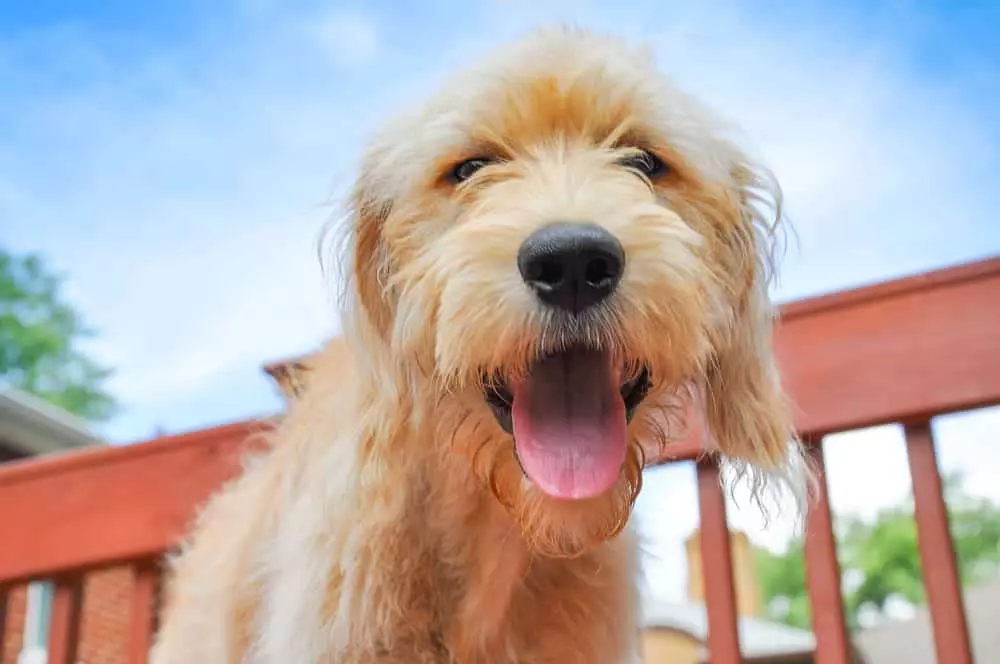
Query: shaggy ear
[[369, 255], [745, 406]]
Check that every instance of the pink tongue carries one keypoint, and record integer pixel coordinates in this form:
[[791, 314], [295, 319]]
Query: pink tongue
[[569, 424]]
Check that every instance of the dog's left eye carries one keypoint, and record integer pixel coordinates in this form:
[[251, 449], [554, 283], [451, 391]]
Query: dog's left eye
[[468, 168], [646, 163]]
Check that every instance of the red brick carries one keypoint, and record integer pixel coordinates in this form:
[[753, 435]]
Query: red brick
[[104, 623], [14, 625]]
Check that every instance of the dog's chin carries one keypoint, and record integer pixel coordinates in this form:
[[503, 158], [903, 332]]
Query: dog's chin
[[568, 415]]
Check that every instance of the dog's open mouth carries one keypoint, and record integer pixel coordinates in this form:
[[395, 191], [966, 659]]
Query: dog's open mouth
[[568, 416]]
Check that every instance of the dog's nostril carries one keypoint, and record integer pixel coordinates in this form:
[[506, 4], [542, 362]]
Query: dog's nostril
[[600, 272], [546, 273], [571, 266]]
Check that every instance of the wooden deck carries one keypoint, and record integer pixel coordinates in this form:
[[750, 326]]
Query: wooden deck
[[900, 352]]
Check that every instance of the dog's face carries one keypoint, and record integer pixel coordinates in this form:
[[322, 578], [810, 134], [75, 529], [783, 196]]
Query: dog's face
[[562, 247]]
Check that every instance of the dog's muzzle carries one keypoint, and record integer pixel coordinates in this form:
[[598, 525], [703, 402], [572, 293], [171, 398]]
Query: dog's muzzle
[[569, 412]]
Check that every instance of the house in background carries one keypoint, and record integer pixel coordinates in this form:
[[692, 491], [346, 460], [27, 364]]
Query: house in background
[[912, 641], [677, 632], [30, 428]]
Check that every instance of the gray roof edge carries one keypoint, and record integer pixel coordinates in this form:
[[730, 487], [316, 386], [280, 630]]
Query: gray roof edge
[[759, 637], [37, 427]]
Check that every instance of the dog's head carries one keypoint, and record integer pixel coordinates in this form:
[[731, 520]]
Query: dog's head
[[565, 249]]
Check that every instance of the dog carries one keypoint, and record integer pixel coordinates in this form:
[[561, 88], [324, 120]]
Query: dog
[[552, 267]]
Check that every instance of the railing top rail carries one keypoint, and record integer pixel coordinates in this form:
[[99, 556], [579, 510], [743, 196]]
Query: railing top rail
[[912, 283], [27, 469]]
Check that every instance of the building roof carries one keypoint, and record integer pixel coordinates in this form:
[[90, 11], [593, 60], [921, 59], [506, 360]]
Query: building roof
[[912, 641], [758, 638], [33, 426]]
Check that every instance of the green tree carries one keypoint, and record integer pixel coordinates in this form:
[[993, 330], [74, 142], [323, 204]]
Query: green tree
[[880, 558], [38, 341], [782, 579]]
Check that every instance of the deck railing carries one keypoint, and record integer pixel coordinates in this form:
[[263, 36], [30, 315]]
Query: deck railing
[[900, 352]]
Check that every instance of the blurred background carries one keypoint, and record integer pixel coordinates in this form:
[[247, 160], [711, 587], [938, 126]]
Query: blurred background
[[165, 169]]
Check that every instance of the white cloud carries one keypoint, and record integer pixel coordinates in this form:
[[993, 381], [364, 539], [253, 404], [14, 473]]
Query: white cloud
[[349, 38]]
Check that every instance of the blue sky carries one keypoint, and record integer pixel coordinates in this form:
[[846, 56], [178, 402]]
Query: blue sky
[[176, 161]]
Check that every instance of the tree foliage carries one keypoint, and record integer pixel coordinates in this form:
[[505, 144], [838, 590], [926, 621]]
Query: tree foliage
[[39, 333], [782, 579], [880, 558]]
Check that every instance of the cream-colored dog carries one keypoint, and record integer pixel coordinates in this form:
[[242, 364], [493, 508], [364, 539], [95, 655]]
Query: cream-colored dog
[[548, 262]]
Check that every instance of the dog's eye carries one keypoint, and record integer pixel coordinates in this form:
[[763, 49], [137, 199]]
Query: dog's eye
[[646, 163], [469, 167]]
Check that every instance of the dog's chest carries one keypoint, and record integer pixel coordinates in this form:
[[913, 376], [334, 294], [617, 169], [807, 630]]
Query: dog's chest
[[558, 619]]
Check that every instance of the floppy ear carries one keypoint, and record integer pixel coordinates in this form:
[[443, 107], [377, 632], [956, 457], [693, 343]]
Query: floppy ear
[[369, 256], [746, 408]]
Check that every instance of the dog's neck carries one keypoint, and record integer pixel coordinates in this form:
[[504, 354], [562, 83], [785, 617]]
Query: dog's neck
[[509, 589], [497, 564], [493, 590]]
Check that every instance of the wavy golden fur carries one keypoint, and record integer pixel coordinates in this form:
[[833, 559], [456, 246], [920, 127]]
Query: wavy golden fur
[[390, 521]]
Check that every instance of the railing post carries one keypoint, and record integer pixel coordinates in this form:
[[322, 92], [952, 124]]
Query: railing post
[[4, 598], [937, 551], [823, 571], [143, 610], [717, 567], [64, 628]]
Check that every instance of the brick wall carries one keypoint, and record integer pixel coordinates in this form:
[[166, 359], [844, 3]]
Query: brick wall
[[13, 625], [104, 621], [104, 624]]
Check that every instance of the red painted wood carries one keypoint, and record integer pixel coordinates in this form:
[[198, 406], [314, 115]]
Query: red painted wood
[[4, 598], [924, 346], [823, 572], [64, 628], [143, 610], [102, 506], [937, 552], [717, 568], [923, 281]]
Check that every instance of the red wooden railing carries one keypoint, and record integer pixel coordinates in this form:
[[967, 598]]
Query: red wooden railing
[[899, 352]]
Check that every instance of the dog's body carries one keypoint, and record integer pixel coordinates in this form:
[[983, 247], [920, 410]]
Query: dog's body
[[547, 263], [340, 575]]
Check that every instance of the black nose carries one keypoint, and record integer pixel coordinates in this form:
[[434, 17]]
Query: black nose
[[571, 265]]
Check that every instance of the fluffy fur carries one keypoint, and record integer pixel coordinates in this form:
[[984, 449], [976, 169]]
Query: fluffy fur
[[390, 522]]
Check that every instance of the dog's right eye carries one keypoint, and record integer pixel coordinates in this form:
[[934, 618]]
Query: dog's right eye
[[646, 163], [468, 168]]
